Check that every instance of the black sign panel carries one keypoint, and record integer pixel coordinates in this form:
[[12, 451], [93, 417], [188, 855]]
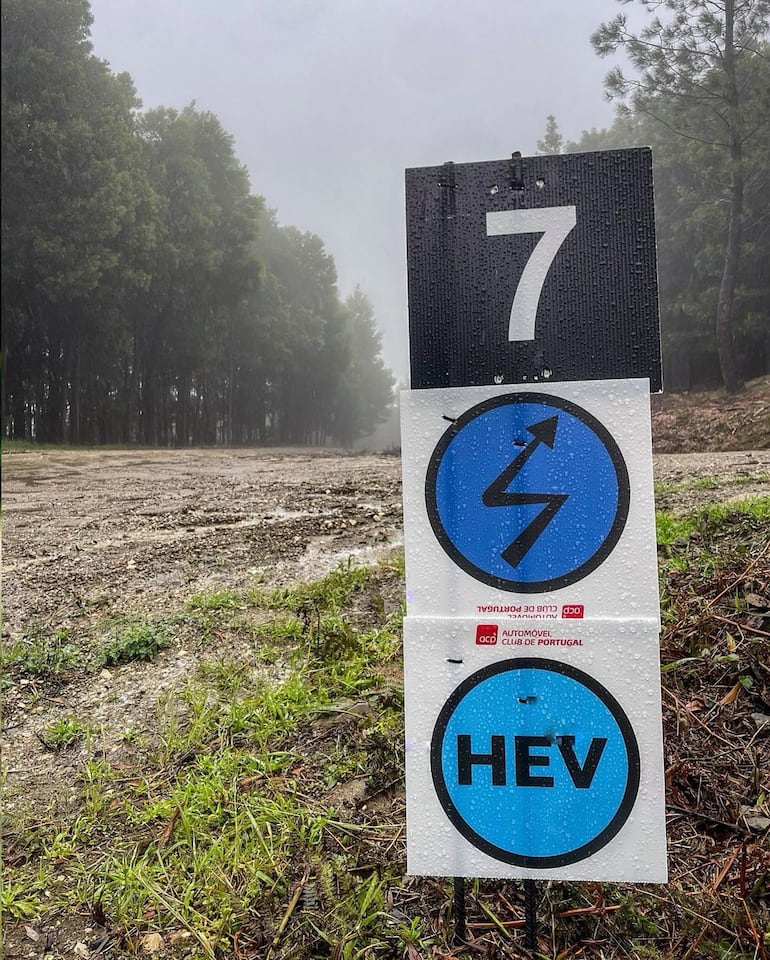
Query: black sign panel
[[533, 269]]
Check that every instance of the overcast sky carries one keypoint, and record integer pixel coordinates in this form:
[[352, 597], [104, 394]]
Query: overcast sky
[[330, 100]]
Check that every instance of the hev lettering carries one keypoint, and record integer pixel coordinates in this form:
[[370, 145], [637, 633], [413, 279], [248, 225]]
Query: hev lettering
[[525, 761]]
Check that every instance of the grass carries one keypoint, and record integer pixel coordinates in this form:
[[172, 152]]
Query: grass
[[264, 815], [65, 732], [42, 653], [134, 641], [225, 812], [56, 654], [671, 527], [670, 496], [23, 446]]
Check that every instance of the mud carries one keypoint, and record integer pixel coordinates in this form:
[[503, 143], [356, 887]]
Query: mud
[[136, 531], [97, 535]]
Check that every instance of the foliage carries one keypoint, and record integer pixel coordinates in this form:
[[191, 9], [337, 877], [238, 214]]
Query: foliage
[[691, 185], [58, 655], [42, 653], [702, 81], [552, 141], [148, 296], [65, 732], [365, 396], [135, 641]]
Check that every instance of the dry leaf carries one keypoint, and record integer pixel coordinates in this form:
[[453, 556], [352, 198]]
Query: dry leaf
[[169, 828], [732, 695], [754, 600], [152, 943], [81, 950], [31, 933]]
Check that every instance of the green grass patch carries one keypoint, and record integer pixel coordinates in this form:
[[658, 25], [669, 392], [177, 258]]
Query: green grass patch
[[217, 600], [59, 654], [235, 803], [43, 652], [265, 814], [25, 446], [134, 641], [65, 732], [328, 595], [671, 527]]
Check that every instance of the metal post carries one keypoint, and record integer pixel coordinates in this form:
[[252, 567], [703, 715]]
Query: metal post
[[530, 915], [459, 909]]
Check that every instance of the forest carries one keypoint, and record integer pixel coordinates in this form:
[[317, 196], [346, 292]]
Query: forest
[[150, 297], [698, 93]]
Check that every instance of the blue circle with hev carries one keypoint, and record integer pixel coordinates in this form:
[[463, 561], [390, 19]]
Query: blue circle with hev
[[535, 762], [527, 492]]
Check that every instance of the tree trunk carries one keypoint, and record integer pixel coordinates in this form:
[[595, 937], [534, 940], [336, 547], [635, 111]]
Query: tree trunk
[[724, 323], [75, 410]]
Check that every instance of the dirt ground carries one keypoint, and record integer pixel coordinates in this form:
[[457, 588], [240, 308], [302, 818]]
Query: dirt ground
[[147, 529], [94, 535], [135, 531], [712, 420]]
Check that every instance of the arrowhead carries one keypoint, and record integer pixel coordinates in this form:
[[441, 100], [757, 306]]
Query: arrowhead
[[545, 431]]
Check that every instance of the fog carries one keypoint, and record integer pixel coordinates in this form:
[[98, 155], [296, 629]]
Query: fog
[[329, 101]]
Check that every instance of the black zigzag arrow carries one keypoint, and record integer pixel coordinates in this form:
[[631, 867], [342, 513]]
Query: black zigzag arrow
[[498, 495]]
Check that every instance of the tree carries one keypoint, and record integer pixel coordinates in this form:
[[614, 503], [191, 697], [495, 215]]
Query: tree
[[552, 141], [147, 295], [204, 266], [691, 228], [696, 67], [365, 395], [72, 196]]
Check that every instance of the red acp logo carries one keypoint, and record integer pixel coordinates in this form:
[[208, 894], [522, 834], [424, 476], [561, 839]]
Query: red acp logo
[[572, 611], [486, 634]]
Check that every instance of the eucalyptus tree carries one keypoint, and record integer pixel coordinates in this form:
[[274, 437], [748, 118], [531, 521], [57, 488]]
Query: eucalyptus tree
[[696, 64]]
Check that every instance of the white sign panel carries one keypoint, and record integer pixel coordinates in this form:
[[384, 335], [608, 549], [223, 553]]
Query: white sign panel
[[534, 749], [530, 501]]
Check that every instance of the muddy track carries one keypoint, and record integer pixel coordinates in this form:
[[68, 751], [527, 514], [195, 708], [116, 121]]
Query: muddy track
[[132, 531], [90, 537]]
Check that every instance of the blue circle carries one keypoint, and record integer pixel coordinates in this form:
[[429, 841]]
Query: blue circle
[[527, 492], [535, 762]]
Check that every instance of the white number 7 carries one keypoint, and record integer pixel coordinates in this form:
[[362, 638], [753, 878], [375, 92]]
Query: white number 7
[[554, 223]]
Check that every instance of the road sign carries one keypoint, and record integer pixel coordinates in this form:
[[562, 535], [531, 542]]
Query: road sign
[[533, 269], [526, 748], [516, 501], [527, 492], [543, 738]]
